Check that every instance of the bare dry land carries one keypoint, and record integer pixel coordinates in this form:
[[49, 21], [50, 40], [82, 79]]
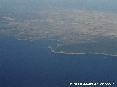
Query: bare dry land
[[70, 25]]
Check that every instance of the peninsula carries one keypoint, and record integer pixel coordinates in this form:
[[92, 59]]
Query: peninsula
[[107, 47]]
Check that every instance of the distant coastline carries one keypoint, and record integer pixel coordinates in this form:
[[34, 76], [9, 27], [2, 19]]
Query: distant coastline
[[79, 53], [61, 52]]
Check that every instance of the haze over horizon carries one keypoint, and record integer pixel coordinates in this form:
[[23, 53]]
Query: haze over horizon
[[102, 5]]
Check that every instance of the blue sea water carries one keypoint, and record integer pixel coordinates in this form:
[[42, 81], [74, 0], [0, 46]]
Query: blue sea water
[[32, 64]]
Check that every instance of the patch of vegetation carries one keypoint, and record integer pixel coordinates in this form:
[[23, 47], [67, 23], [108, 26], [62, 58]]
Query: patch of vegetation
[[102, 47]]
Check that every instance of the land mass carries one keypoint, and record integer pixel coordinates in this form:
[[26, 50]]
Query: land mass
[[106, 47], [69, 25], [83, 31]]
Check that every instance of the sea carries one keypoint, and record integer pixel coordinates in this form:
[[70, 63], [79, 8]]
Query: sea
[[25, 63]]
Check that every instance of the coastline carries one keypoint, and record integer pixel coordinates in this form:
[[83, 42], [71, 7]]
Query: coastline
[[72, 53]]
